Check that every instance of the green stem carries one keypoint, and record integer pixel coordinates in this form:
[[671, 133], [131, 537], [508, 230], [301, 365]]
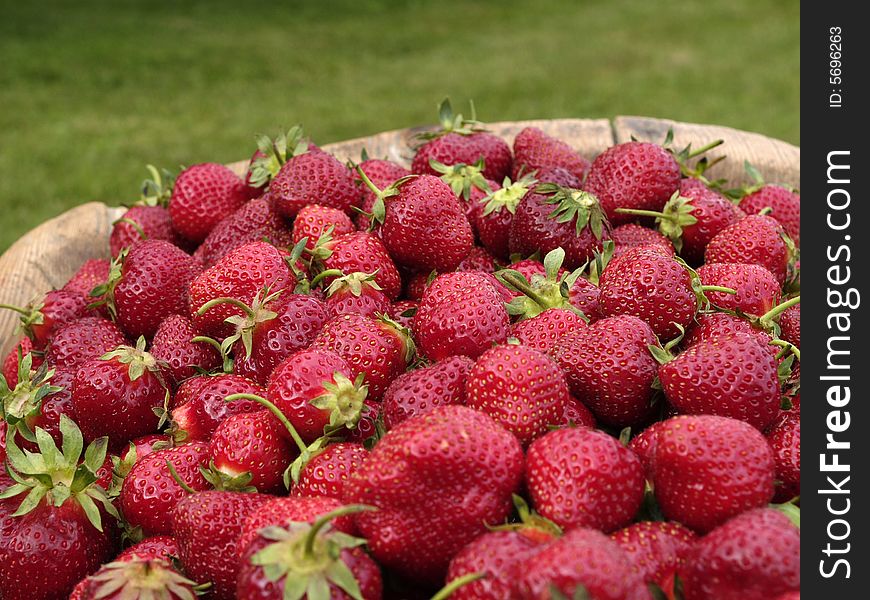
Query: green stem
[[178, 478], [457, 583], [779, 309], [225, 358], [377, 192], [704, 149], [519, 283], [134, 225], [275, 411], [642, 213], [324, 274], [321, 522], [718, 288], [233, 301], [788, 347], [17, 309]]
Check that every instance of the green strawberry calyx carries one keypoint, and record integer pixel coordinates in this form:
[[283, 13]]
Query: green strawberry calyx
[[451, 122], [543, 292], [55, 476], [258, 312], [684, 155], [343, 399], [104, 294], [275, 153], [156, 190], [137, 359], [676, 214], [24, 402], [379, 208], [140, 578], [28, 316], [462, 178], [509, 196], [575, 205], [355, 284], [530, 522]]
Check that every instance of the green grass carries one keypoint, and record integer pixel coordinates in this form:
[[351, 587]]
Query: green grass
[[91, 91]]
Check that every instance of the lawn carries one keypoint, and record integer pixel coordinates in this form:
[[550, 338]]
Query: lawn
[[92, 91]]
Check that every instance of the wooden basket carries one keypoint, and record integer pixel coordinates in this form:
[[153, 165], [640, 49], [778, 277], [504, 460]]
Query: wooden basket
[[46, 257]]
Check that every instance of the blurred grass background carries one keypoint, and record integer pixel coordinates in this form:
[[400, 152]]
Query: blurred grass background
[[91, 91]]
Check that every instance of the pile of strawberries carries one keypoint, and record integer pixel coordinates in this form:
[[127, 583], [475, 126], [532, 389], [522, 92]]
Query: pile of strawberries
[[508, 372]]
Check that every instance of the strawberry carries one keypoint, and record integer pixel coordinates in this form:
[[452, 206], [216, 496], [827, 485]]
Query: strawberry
[[326, 564], [575, 414], [150, 491], [583, 560], [656, 549], [178, 356], [757, 288], [418, 391], [115, 395], [157, 546], [314, 220], [41, 319], [81, 340], [790, 325], [360, 252], [521, 388], [469, 185], [64, 525], [313, 178], [435, 487], [559, 176], [757, 239], [196, 418], [241, 275], [630, 235], [637, 175], [610, 369], [731, 376], [357, 294], [202, 196], [140, 223], [579, 477], [548, 285], [541, 332], [783, 205], [92, 273], [711, 326], [415, 285], [382, 173], [479, 259], [206, 526], [784, 437], [447, 283], [689, 452], [403, 311], [138, 578], [493, 222], [326, 473], [754, 556], [376, 348], [252, 222], [534, 150]]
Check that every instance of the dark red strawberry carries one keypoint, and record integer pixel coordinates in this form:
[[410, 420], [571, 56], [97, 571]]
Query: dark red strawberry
[[656, 549], [576, 414], [535, 150], [313, 178], [689, 452], [382, 173], [493, 222], [240, 275], [138, 578], [376, 348], [579, 477], [416, 283], [178, 356], [783, 205], [81, 340], [790, 325], [360, 252], [435, 486], [314, 220], [115, 395], [582, 561], [754, 556], [356, 294], [757, 288], [91, 274], [479, 259], [418, 391], [142, 223], [41, 319], [196, 417], [630, 235], [521, 388], [610, 369], [203, 195], [326, 473], [544, 330], [784, 437], [758, 240], [206, 526], [150, 491], [637, 175], [157, 546]]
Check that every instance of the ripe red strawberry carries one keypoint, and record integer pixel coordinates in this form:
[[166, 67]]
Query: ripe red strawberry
[[252, 222], [559, 176], [91, 274], [202, 196], [579, 477], [157, 546], [479, 259], [356, 294], [582, 560], [713, 213], [150, 492], [326, 473], [630, 235], [178, 356], [544, 330], [731, 376], [784, 437], [415, 285], [547, 285], [206, 526], [41, 319], [362, 252], [241, 275], [494, 218], [711, 326], [469, 185], [576, 414], [61, 530], [689, 452], [403, 311], [757, 288], [522, 389], [10, 363], [382, 173], [196, 417], [115, 395], [757, 239], [637, 175], [138, 578], [790, 325], [418, 391], [329, 564], [609, 368], [314, 220], [784, 205], [447, 283], [534, 150], [435, 487], [754, 556], [81, 340], [252, 444], [376, 348], [656, 549], [313, 178], [142, 223]]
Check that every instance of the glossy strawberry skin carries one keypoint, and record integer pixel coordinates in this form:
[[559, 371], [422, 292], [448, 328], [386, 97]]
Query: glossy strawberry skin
[[382, 173], [577, 414], [636, 175], [418, 391], [754, 556], [154, 547], [203, 411], [544, 330], [630, 235], [206, 527], [657, 549], [81, 340], [173, 346], [713, 212], [365, 253], [710, 326], [609, 368], [579, 477], [790, 325], [370, 302], [447, 283], [435, 488], [149, 492], [314, 220], [326, 473], [784, 437], [785, 205], [91, 274], [202, 196], [479, 259], [757, 239], [403, 311], [535, 150], [453, 148], [757, 288], [154, 221], [688, 452], [313, 178]]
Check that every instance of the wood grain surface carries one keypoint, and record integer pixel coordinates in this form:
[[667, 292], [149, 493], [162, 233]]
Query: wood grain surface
[[48, 255]]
